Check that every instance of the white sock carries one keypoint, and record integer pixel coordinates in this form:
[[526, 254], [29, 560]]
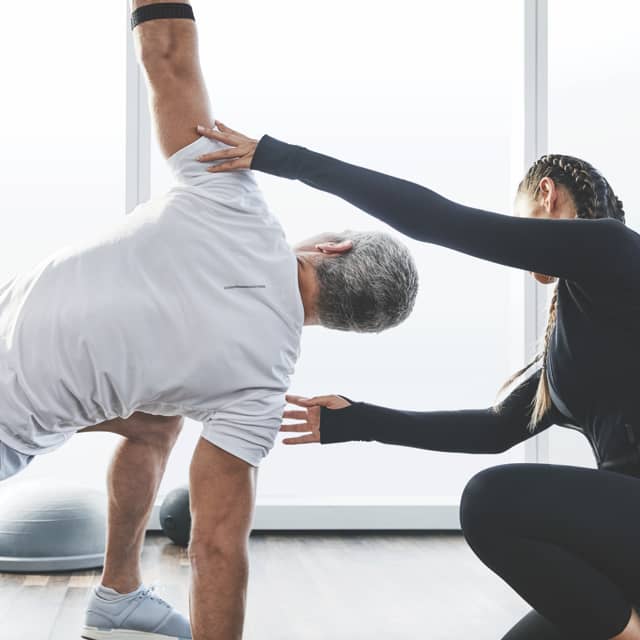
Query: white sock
[[106, 593]]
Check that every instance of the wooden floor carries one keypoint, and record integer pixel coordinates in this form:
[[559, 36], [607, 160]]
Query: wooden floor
[[304, 587]]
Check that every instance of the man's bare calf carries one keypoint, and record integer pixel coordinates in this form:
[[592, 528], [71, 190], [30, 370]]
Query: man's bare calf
[[133, 479]]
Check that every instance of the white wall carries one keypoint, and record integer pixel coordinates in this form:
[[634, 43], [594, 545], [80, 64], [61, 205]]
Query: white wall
[[62, 175]]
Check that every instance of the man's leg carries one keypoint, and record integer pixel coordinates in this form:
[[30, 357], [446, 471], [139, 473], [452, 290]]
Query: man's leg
[[121, 607], [222, 502], [134, 476]]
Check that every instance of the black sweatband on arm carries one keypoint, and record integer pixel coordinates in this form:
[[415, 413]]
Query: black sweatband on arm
[[161, 10]]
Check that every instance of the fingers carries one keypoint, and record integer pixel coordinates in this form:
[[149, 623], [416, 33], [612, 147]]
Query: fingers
[[295, 415], [233, 165], [316, 401], [208, 132], [302, 439], [224, 128], [295, 427], [239, 155], [321, 401], [219, 155], [300, 401]]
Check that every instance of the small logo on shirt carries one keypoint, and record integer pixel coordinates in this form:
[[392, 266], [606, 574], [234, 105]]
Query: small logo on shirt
[[246, 286]]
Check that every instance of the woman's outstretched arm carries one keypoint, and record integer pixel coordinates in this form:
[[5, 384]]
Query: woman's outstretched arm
[[491, 430], [600, 251], [573, 249]]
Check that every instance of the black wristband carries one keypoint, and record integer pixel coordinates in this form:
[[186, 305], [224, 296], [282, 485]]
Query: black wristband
[[343, 425], [161, 10]]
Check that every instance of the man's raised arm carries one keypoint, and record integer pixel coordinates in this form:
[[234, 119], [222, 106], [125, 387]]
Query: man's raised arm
[[167, 48]]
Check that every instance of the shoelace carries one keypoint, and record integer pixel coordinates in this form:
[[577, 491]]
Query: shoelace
[[150, 592]]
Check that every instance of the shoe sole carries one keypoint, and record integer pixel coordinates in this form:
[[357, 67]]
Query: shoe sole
[[93, 633]]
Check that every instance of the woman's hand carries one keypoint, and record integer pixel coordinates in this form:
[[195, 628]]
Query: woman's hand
[[240, 154], [310, 416]]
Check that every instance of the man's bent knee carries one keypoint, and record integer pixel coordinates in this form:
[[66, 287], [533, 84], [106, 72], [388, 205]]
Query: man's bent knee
[[160, 431], [217, 541], [217, 548]]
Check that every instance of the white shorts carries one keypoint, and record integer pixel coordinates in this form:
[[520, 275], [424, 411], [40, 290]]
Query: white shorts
[[12, 461]]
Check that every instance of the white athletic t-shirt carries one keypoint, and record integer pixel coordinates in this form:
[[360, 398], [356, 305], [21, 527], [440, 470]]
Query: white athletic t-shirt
[[190, 307]]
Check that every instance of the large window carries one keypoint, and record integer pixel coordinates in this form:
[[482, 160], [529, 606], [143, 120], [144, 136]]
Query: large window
[[429, 91], [424, 92]]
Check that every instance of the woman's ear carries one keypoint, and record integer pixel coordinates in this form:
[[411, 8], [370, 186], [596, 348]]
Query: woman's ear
[[548, 192], [335, 247]]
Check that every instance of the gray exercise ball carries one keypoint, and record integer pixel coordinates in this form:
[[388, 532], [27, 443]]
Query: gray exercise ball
[[50, 526], [175, 516]]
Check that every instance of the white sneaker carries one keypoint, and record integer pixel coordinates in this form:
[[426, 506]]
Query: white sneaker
[[141, 615]]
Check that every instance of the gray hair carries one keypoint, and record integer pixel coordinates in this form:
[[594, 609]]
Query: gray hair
[[368, 289]]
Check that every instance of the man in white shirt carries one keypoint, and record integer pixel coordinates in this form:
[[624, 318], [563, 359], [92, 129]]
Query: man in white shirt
[[192, 307]]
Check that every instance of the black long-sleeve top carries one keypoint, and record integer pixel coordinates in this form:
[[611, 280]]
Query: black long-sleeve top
[[593, 360]]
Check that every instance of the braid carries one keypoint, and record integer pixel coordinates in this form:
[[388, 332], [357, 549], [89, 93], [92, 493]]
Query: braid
[[591, 193], [583, 192], [593, 198], [542, 401]]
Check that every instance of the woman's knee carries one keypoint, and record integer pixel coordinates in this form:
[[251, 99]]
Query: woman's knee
[[487, 501]]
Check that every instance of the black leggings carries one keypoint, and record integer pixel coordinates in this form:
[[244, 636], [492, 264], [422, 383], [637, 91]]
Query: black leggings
[[567, 539]]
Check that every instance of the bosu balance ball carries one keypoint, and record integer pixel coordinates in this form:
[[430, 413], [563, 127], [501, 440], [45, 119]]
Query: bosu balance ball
[[175, 516], [50, 526]]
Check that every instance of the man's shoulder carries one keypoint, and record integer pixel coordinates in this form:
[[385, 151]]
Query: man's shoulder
[[189, 171]]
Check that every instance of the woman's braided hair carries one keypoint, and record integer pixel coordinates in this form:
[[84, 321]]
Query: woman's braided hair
[[593, 198]]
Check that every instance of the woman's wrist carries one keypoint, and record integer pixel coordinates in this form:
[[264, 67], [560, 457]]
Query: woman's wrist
[[275, 157], [342, 425]]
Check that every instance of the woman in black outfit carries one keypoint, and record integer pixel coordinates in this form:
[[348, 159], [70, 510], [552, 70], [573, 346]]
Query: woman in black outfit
[[567, 539]]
